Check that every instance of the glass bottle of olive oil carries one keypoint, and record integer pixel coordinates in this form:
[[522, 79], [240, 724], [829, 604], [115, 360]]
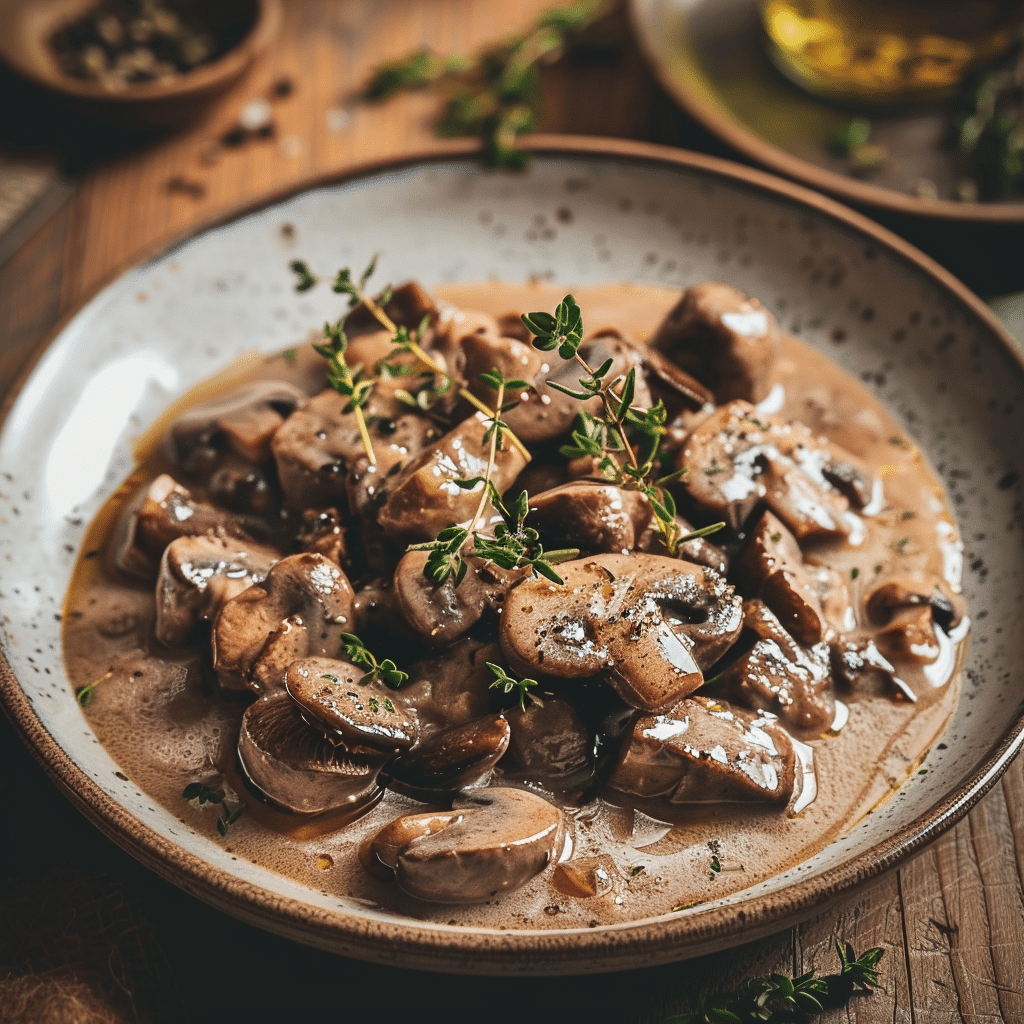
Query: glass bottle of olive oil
[[886, 51]]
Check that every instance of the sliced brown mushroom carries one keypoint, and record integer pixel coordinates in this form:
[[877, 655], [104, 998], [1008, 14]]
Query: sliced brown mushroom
[[323, 531], [166, 510], [301, 609], [862, 668], [727, 341], [738, 458], [244, 421], [299, 768], [197, 575], [492, 842], [594, 517], [442, 613], [704, 751], [453, 758], [782, 676], [407, 305], [332, 697], [426, 498], [650, 625], [812, 602]]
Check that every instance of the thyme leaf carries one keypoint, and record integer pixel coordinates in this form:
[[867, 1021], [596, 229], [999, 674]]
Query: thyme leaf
[[509, 684], [496, 94], [385, 671], [776, 998]]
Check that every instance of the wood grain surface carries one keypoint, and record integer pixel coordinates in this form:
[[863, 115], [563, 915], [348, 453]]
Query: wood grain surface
[[126, 944]]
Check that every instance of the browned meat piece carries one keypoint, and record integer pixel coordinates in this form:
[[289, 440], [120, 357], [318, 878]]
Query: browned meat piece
[[704, 751], [727, 341], [319, 450], [550, 744], [492, 841], [779, 675], [650, 625], [738, 458], [298, 768], [197, 575], [300, 609]]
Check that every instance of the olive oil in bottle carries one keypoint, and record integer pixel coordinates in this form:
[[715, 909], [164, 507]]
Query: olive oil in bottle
[[886, 51]]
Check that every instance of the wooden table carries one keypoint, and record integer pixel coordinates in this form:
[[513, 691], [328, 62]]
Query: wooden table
[[79, 919]]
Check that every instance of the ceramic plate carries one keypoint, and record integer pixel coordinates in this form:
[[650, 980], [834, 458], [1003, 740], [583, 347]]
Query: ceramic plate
[[709, 56], [586, 212]]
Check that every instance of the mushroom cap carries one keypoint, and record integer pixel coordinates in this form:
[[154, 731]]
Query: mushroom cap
[[301, 608], [648, 624], [590, 515], [299, 768], [332, 695], [493, 841]]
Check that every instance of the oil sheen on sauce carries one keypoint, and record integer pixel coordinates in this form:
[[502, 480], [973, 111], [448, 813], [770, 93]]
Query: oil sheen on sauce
[[629, 860]]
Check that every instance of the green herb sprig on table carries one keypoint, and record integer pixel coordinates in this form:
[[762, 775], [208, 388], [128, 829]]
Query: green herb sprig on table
[[624, 439], [495, 95], [778, 998]]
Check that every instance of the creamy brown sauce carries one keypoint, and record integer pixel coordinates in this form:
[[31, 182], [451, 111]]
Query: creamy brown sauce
[[630, 858]]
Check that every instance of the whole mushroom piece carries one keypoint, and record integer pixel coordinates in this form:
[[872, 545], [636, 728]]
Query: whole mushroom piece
[[493, 841], [649, 625]]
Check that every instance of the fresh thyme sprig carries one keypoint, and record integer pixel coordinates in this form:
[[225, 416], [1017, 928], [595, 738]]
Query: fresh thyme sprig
[[85, 695], [203, 795], [385, 671], [509, 684], [445, 559], [606, 437], [339, 375], [777, 997], [497, 94]]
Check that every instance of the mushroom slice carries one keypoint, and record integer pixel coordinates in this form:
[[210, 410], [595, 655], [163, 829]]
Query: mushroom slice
[[492, 842], [727, 341], [427, 498], [333, 698], [453, 758], [406, 305], [453, 687], [885, 601], [442, 613], [704, 751], [323, 531], [780, 675], [244, 420], [650, 625], [811, 602], [299, 768], [738, 457], [197, 575], [166, 510], [301, 609]]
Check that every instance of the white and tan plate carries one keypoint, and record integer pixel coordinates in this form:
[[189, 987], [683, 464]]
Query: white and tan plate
[[586, 212]]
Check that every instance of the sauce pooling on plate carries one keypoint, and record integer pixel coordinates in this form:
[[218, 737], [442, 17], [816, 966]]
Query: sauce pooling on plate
[[507, 677]]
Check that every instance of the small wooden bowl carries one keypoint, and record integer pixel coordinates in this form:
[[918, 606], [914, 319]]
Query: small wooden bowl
[[29, 25]]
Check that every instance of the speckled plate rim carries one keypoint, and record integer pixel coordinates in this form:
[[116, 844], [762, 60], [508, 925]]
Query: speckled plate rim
[[753, 146], [492, 951]]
